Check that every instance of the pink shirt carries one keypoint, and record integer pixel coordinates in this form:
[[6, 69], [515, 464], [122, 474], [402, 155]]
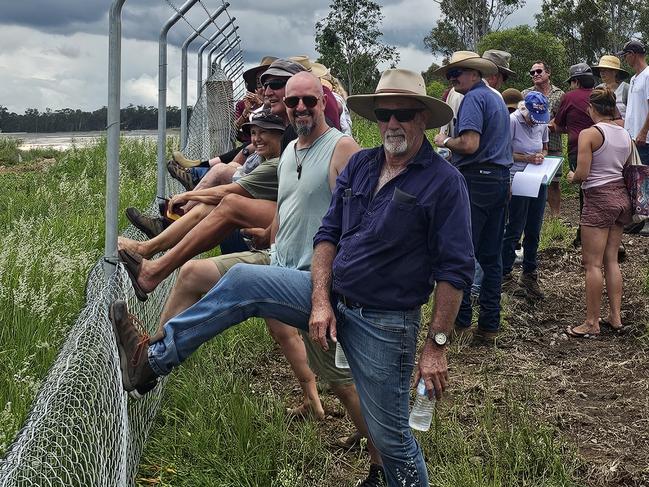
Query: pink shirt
[[610, 158]]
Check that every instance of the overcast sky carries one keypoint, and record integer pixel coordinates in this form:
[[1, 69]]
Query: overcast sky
[[54, 53]]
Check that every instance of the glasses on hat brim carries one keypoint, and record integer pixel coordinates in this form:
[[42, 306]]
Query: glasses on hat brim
[[454, 73], [293, 101], [401, 114], [275, 83]]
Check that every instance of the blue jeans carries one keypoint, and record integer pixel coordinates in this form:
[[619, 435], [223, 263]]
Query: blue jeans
[[380, 347], [525, 215], [488, 192], [198, 172], [477, 280]]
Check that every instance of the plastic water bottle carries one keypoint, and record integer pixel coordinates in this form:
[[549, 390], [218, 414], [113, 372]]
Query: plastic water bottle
[[341, 360], [422, 411]]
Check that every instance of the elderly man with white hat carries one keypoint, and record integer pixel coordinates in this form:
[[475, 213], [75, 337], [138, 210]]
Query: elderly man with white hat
[[482, 151]]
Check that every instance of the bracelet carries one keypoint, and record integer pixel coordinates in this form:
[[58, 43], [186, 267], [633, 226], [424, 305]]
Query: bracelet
[[446, 140]]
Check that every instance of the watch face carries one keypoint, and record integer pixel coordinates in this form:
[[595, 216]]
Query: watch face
[[440, 338]]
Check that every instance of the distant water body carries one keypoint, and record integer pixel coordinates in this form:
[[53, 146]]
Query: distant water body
[[65, 140]]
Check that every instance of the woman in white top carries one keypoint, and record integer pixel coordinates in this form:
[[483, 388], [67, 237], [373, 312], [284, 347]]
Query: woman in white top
[[613, 77], [604, 150]]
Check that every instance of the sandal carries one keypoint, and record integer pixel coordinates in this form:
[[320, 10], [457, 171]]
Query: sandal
[[571, 332], [133, 263]]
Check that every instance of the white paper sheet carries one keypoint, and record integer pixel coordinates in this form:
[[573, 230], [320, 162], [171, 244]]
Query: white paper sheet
[[528, 181]]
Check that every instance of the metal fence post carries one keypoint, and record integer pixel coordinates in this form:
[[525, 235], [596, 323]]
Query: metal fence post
[[199, 77], [183, 70]]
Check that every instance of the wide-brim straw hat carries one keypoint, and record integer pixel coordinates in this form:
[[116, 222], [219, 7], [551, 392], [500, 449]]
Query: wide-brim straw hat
[[403, 84], [250, 75], [468, 60], [318, 70], [610, 62]]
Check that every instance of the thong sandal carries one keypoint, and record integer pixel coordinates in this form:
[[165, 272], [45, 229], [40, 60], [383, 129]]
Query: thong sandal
[[571, 332], [616, 329], [133, 263]]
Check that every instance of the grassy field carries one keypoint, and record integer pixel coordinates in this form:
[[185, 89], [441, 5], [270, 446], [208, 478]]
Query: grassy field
[[223, 419]]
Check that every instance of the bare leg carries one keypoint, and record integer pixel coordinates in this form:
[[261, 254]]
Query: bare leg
[[349, 397], [613, 276], [170, 236], [593, 243], [292, 346], [233, 212], [218, 174], [554, 198], [195, 279]]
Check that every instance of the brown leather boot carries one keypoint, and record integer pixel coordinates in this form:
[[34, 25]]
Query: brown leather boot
[[151, 226], [138, 377], [529, 283]]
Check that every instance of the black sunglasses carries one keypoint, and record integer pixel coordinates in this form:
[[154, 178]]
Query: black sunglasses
[[454, 73], [275, 83], [536, 71], [293, 101], [401, 114]]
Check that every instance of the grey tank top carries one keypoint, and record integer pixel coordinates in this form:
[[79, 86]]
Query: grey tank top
[[301, 203]]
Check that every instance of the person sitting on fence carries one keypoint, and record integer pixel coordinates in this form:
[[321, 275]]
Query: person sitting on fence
[[250, 202], [221, 169], [307, 172], [398, 222], [529, 133], [604, 149]]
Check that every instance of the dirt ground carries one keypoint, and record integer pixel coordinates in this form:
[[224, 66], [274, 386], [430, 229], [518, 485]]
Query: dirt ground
[[594, 391]]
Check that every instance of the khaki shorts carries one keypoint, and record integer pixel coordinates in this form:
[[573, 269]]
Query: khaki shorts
[[323, 364], [225, 262]]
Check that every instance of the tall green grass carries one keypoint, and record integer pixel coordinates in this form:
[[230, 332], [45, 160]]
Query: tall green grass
[[10, 155]]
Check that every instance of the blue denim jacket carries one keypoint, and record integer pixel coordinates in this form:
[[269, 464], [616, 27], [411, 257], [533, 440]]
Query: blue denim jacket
[[393, 246]]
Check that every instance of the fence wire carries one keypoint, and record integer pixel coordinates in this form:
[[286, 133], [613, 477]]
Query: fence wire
[[83, 430]]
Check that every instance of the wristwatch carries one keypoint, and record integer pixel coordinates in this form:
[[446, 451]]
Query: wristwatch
[[439, 338], [245, 151]]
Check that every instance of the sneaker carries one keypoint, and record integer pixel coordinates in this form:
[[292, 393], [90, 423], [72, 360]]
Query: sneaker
[[530, 283], [138, 377], [151, 226], [519, 257], [376, 477], [181, 174], [180, 158]]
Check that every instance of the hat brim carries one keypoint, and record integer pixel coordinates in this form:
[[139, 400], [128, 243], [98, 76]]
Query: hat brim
[[245, 128], [280, 73], [485, 66], [250, 76], [539, 117], [439, 112], [507, 71], [623, 74], [579, 76]]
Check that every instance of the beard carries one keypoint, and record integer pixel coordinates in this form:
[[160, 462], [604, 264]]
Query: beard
[[395, 142], [303, 127]]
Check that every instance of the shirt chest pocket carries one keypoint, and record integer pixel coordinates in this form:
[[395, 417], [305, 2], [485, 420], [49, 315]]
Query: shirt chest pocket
[[401, 219], [353, 209]]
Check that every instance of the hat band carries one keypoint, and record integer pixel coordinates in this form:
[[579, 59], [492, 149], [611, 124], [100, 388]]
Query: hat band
[[395, 90]]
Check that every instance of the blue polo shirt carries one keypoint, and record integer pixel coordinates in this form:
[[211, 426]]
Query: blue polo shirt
[[393, 246], [485, 112]]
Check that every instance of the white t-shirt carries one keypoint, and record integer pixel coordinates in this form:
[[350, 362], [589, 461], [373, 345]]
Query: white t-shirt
[[637, 106]]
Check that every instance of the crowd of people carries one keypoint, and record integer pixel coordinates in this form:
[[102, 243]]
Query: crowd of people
[[334, 245]]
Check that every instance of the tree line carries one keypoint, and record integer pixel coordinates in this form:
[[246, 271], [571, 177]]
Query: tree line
[[133, 117]]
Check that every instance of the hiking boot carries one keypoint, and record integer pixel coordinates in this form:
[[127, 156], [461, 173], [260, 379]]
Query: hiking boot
[[180, 158], [485, 336], [151, 226], [138, 377], [376, 477], [181, 174], [529, 282]]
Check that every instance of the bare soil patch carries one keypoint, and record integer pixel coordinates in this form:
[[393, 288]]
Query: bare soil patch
[[37, 165], [595, 392]]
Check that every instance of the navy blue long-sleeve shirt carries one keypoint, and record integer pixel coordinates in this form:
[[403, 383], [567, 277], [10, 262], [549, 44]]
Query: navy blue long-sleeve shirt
[[393, 246]]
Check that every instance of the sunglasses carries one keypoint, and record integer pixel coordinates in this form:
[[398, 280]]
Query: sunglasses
[[454, 73], [401, 114], [275, 83], [534, 72], [293, 101]]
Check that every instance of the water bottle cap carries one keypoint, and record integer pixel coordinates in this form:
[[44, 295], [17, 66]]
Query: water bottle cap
[[421, 388]]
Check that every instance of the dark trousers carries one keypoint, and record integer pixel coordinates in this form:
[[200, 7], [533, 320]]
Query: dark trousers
[[488, 188], [525, 215]]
